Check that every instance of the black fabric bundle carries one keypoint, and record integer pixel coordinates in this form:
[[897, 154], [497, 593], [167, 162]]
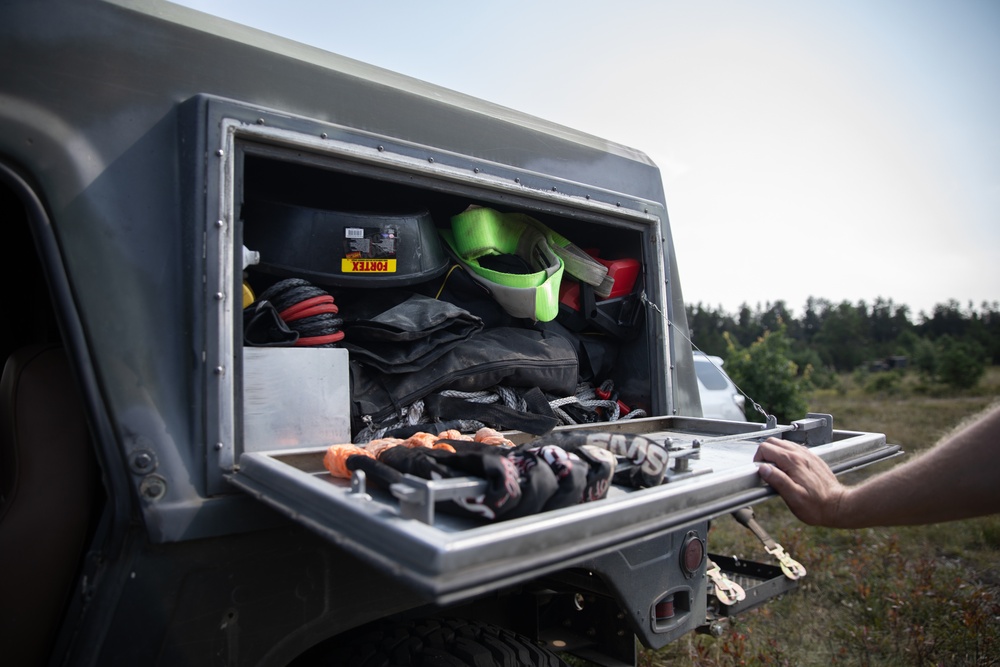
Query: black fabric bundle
[[510, 356], [397, 332]]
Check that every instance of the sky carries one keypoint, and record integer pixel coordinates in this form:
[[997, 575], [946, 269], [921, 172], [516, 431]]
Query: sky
[[844, 150]]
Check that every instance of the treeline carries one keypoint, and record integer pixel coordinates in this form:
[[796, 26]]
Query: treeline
[[952, 344]]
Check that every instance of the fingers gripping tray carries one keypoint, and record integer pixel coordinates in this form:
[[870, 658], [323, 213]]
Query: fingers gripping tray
[[710, 472]]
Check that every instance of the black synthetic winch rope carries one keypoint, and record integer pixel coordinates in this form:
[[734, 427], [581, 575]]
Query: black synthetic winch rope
[[308, 310]]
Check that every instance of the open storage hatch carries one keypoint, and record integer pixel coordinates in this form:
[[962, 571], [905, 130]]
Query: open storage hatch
[[281, 408]]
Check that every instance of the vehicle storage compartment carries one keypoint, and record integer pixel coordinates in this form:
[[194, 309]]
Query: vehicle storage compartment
[[368, 235], [401, 300]]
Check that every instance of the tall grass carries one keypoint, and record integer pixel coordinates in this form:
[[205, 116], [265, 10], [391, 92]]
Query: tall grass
[[907, 596]]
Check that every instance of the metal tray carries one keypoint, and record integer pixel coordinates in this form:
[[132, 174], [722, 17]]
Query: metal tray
[[448, 557]]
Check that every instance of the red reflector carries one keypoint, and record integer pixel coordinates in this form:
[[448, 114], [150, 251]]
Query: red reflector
[[665, 608], [694, 554]]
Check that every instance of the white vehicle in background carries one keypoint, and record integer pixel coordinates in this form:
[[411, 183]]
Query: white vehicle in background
[[720, 399]]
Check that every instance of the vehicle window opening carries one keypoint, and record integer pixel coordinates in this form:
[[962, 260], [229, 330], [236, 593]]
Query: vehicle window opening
[[710, 375], [49, 476]]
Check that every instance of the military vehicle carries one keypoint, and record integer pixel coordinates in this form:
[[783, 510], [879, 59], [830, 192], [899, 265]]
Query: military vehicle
[[165, 499]]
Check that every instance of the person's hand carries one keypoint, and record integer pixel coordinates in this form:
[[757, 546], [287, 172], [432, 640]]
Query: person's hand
[[805, 482]]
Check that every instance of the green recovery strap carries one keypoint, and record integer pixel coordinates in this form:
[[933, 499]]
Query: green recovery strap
[[578, 263], [481, 232]]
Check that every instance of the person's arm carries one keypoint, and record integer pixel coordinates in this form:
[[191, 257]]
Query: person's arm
[[958, 478]]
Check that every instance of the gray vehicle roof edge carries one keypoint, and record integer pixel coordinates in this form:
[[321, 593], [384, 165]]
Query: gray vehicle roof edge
[[257, 38], [60, 59]]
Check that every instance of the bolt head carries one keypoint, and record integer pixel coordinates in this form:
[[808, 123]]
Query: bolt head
[[153, 487]]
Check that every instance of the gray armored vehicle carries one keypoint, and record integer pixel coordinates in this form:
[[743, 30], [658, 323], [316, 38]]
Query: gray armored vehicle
[[188, 471]]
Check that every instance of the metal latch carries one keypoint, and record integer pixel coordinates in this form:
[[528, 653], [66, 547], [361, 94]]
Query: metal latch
[[815, 429], [417, 496]]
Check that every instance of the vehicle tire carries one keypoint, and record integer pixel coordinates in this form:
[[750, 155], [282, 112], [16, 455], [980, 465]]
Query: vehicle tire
[[430, 642]]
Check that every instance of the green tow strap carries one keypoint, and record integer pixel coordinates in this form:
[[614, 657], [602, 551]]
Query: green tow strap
[[482, 232], [578, 263]]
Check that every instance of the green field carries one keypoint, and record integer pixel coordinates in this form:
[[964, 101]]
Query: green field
[[904, 596]]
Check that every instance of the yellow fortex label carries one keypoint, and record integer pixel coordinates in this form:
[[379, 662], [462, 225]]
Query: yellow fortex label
[[367, 266]]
